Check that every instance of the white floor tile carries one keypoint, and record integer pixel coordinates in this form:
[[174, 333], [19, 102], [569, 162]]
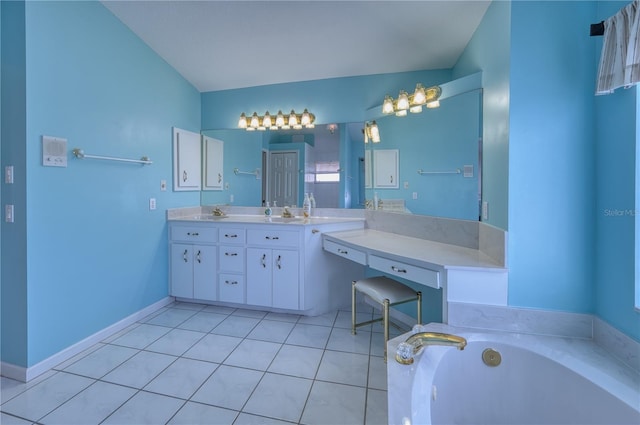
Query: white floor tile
[[228, 387], [140, 369], [145, 408], [334, 404], [12, 420], [216, 365], [213, 348], [202, 321], [43, 398], [309, 336], [176, 342], [101, 361], [297, 361], [182, 378], [196, 413], [141, 336], [91, 406], [280, 397], [344, 368], [253, 354], [376, 413], [270, 330], [238, 326], [343, 340], [247, 419], [172, 317]]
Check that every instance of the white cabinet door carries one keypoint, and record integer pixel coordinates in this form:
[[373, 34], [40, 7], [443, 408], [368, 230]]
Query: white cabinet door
[[385, 168], [186, 160], [259, 269], [204, 273], [212, 164], [182, 270], [286, 279]]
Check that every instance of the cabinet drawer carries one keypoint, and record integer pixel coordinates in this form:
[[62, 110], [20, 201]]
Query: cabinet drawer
[[276, 238], [231, 288], [346, 252], [407, 271], [231, 235], [231, 258], [194, 233]]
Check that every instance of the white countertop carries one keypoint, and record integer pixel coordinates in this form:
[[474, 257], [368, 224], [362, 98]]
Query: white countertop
[[261, 219], [421, 252]]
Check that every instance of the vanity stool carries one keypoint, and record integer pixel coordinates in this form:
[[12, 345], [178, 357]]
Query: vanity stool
[[387, 292]]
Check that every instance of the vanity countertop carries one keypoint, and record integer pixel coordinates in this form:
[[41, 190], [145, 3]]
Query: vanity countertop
[[421, 252], [261, 219]]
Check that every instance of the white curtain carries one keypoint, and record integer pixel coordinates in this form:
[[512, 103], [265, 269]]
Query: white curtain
[[620, 57]]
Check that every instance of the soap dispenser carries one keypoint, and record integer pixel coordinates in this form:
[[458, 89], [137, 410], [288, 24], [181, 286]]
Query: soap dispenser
[[306, 205], [267, 211]]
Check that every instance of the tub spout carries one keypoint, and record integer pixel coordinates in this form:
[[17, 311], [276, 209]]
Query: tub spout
[[416, 342]]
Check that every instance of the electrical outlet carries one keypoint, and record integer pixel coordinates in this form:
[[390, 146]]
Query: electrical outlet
[[415, 195], [231, 199], [406, 185], [485, 210], [163, 185], [152, 203]]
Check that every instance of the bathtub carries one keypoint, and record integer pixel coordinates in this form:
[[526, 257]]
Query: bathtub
[[540, 380]]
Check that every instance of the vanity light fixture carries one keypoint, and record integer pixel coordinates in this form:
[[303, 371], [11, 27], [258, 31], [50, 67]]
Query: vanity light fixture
[[280, 122], [412, 102], [371, 132]]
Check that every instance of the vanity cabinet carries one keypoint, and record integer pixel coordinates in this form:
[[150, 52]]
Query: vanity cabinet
[[193, 263], [274, 266]]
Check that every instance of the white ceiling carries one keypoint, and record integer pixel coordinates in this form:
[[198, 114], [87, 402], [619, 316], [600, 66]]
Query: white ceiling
[[219, 45]]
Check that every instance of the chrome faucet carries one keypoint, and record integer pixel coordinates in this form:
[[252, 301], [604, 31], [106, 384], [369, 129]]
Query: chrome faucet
[[416, 342], [217, 212]]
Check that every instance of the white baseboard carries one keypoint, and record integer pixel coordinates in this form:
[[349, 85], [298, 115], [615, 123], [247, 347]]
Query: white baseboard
[[23, 374]]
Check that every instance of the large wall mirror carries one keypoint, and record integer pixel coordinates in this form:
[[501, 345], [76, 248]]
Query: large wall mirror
[[438, 152]]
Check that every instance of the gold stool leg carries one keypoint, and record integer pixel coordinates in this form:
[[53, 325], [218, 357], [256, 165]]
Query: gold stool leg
[[353, 307], [419, 307], [385, 321]]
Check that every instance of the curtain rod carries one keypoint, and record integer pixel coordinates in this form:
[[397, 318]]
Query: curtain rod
[[597, 29]]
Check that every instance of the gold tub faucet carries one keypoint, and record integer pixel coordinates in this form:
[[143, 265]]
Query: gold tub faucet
[[416, 342]]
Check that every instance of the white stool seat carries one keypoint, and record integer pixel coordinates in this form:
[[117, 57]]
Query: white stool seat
[[386, 292], [382, 288]]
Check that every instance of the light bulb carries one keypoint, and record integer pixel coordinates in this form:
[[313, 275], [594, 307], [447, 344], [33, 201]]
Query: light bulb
[[266, 121], [255, 121], [242, 122], [403, 101], [387, 105], [279, 119], [293, 119], [419, 96]]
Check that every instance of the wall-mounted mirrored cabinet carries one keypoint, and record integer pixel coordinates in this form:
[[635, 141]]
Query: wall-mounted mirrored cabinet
[[197, 162]]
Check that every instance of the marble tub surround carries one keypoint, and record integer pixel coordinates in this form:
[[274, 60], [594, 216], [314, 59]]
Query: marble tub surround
[[550, 323], [580, 355]]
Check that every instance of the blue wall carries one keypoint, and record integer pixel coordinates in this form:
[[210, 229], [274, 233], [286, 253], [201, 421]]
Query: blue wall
[[615, 167], [552, 156], [94, 252]]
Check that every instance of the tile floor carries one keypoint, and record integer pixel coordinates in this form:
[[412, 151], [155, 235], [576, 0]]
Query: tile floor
[[197, 364]]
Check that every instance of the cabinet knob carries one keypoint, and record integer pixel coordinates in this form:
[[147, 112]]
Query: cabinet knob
[[231, 282], [271, 238], [193, 234], [184, 256], [263, 261], [184, 176], [397, 270], [198, 257], [278, 262], [230, 235], [314, 231], [231, 254]]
